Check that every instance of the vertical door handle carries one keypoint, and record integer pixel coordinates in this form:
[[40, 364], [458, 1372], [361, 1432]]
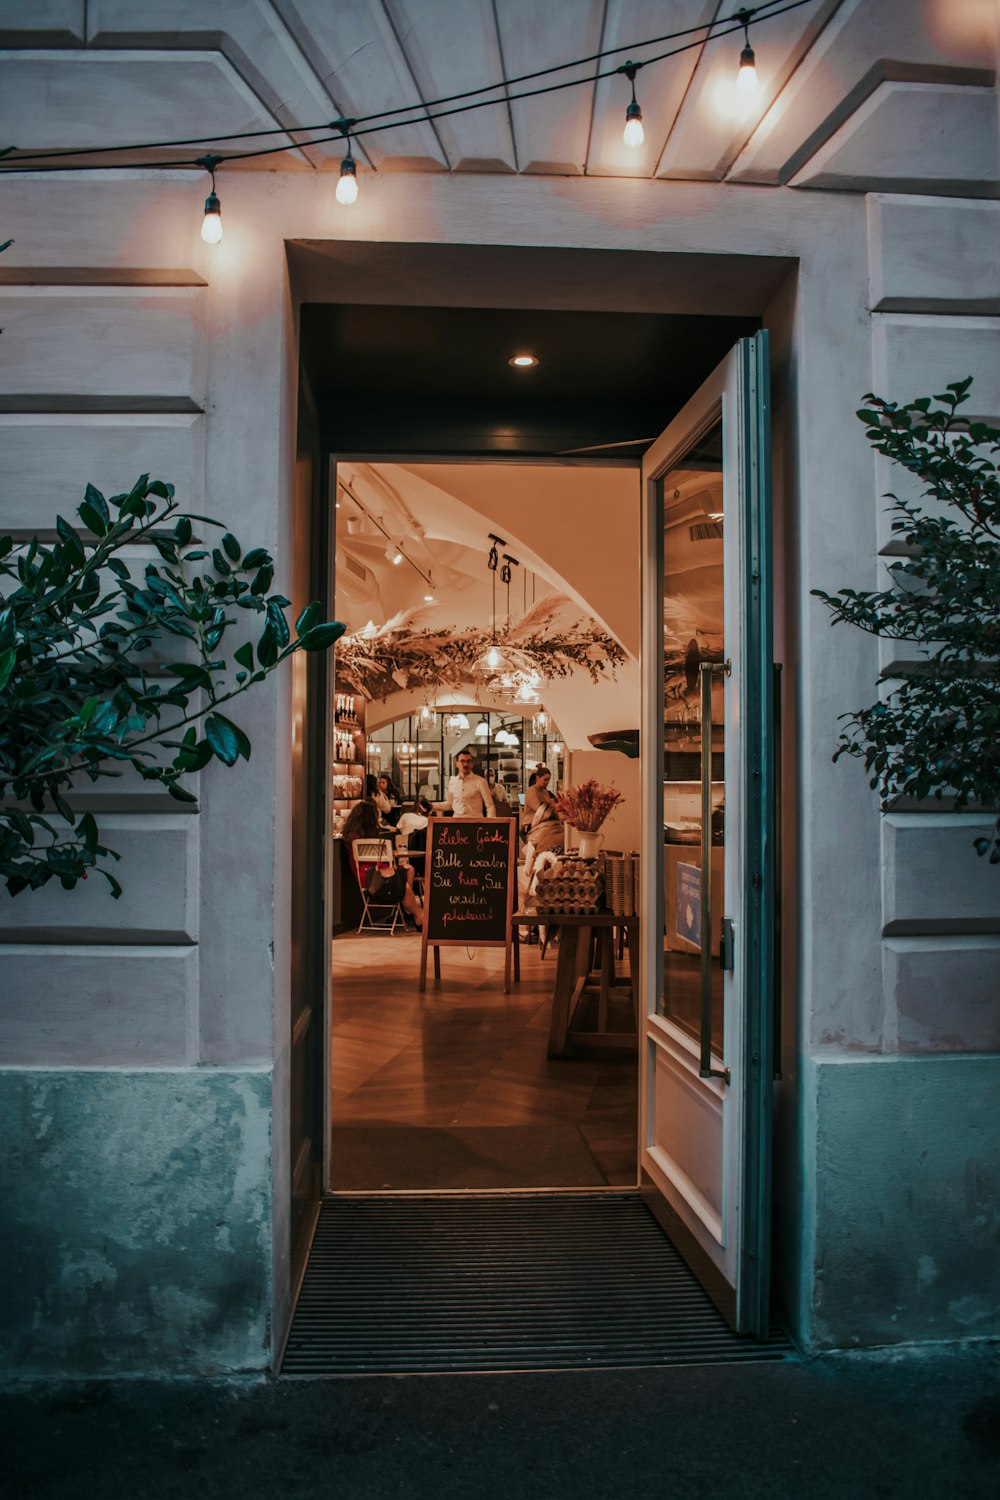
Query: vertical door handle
[[708, 670]]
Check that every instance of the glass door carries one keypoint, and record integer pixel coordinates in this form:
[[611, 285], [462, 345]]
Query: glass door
[[708, 806]]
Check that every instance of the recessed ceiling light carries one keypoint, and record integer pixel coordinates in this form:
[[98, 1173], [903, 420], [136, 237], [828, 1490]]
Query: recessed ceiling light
[[428, 598], [522, 361]]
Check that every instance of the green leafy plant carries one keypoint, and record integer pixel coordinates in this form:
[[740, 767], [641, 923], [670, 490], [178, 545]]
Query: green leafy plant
[[935, 731], [85, 689]]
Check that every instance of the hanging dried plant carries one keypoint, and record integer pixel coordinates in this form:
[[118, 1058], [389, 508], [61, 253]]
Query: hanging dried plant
[[401, 654]]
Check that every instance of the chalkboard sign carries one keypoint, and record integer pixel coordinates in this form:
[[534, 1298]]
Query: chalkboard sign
[[468, 887]]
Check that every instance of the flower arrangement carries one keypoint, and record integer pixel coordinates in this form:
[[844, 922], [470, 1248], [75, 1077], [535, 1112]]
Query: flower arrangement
[[586, 806]]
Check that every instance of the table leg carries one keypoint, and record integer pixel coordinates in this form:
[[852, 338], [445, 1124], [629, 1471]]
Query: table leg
[[632, 934], [606, 938], [565, 986]]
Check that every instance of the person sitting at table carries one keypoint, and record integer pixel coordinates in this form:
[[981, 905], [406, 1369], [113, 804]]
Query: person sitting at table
[[363, 823], [413, 822], [386, 800], [544, 835], [469, 796], [500, 799]]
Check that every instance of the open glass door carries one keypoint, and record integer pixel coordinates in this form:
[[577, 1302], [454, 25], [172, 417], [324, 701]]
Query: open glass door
[[708, 809]]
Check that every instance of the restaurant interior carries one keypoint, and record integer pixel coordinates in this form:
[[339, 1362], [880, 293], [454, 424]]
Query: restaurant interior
[[464, 1085]]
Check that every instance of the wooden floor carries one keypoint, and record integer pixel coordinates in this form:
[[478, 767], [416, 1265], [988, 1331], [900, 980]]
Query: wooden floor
[[467, 1055]]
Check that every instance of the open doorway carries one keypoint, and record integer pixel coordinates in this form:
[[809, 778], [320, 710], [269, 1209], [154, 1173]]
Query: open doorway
[[464, 1086], [476, 445]]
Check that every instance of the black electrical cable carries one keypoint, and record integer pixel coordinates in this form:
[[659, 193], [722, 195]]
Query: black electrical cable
[[425, 117]]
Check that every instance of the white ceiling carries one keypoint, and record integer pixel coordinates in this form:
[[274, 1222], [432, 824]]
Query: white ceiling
[[855, 94]]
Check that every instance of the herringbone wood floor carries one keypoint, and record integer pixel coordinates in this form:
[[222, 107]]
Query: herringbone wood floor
[[467, 1054]]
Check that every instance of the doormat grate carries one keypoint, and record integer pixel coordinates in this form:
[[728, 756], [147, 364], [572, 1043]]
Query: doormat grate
[[426, 1284]]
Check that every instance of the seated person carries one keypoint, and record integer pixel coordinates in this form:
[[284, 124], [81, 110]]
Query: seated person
[[412, 822], [363, 823], [386, 800], [500, 800], [544, 835]]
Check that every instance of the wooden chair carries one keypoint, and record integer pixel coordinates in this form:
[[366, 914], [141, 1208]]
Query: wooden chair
[[370, 854]]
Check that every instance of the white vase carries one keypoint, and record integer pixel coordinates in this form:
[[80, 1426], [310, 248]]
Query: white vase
[[590, 844]]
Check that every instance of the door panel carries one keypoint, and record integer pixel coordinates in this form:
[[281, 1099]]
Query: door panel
[[708, 814]]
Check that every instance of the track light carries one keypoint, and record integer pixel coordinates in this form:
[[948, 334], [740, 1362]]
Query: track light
[[211, 224], [633, 135], [746, 78], [394, 554]]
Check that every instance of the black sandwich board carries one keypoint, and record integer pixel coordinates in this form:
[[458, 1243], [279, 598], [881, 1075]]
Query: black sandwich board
[[469, 886]]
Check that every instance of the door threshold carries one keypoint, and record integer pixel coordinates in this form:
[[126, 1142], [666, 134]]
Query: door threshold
[[477, 1192]]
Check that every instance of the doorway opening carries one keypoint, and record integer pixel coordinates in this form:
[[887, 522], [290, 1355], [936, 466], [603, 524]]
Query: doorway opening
[[416, 401], [464, 1086]]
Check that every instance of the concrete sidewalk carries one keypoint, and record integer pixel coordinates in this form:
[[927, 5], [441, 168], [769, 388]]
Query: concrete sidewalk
[[873, 1426]]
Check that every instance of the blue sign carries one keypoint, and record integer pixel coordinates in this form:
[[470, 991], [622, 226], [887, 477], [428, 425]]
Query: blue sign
[[689, 903]]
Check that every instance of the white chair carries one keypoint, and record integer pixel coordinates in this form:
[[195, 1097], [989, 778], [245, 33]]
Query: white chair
[[370, 854]]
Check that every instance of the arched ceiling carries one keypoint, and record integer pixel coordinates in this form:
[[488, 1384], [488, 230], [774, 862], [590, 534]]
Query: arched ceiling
[[854, 94]]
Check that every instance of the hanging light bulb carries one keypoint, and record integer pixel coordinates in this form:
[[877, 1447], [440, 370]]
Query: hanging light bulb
[[482, 730], [493, 658], [211, 224], [633, 134], [746, 78], [347, 183]]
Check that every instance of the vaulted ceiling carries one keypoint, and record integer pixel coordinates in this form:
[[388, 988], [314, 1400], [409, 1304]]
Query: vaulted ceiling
[[894, 95]]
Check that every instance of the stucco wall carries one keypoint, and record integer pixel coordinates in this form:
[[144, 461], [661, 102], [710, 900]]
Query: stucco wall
[[188, 981], [137, 1222]]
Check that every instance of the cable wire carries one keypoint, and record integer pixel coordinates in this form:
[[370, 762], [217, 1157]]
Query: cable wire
[[428, 111]]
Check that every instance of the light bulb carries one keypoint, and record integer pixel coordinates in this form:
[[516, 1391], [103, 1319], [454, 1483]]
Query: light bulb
[[347, 185], [428, 598], [633, 135], [746, 78], [493, 658], [211, 224], [482, 730]]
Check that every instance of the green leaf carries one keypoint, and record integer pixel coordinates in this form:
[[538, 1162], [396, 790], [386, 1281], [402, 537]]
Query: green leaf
[[256, 556], [267, 646], [91, 518], [93, 497], [263, 580], [321, 637], [231, 546], [180, 793], [244, 655], [221, 736], [307, 619], [7, 659]]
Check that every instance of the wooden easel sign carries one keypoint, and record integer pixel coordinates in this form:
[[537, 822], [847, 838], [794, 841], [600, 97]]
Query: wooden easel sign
[[469, 885]]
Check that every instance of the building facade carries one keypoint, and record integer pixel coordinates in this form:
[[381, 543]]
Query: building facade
[[146, 1091]]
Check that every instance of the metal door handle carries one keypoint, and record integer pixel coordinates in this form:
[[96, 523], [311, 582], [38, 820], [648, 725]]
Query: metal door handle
[[706, 1070]]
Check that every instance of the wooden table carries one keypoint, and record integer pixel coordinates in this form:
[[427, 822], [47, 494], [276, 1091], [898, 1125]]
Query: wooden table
[[585, 976]]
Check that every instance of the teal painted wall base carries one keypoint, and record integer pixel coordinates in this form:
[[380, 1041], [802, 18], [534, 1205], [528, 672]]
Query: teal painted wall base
[[907, 1186], [135, 1236]]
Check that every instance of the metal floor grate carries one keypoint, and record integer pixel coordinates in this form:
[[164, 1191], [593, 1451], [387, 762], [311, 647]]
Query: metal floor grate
[[520, 1281]]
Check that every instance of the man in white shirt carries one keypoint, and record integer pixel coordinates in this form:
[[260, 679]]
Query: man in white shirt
[[469, 796]]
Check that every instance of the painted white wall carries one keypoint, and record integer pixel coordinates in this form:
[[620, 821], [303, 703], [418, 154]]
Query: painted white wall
[[217, 355]]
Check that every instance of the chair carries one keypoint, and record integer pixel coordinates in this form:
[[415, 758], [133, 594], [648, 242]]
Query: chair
[[367, 854]]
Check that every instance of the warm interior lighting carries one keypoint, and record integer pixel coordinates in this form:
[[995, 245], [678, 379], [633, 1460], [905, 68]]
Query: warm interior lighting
[[482, 730], [523, 361], [633, 135], [428, 598], [347, 183], [746, 78], [211, 224], [493, 658], [394, 555]]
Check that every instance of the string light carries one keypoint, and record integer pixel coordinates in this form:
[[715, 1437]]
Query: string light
[[633, 134], [746, 78], [211, 224], [703, 33], [347, 183]]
